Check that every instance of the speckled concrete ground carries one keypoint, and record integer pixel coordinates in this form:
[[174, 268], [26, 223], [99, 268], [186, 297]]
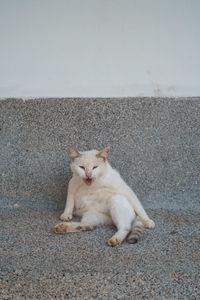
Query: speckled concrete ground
[[155, 146]]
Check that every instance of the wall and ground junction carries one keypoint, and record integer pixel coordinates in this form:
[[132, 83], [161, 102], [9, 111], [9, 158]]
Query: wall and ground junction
[[67, 69]]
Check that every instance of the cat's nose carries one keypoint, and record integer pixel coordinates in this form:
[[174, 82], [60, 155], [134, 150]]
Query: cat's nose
[[89, 175]]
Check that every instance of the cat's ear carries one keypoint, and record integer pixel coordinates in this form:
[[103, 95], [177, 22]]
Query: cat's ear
[[73, 153], [103, 153]]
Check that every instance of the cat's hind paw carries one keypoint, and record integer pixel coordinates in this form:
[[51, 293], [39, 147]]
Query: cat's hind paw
[[114, 241], [61, 228], [148, 223], [66, 217]]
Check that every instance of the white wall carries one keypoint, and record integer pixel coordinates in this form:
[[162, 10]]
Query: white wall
[[99, 48]]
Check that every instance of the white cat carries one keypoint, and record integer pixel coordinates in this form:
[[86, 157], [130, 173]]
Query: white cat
[[100, 196]]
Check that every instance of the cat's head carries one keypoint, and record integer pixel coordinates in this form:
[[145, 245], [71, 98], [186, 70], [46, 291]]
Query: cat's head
[[88, 165]]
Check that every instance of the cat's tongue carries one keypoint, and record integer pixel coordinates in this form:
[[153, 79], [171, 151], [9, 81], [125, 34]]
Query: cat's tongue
[[88, 181]]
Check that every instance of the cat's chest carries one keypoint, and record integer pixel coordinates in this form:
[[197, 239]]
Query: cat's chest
[[90, 194], [92, 198]]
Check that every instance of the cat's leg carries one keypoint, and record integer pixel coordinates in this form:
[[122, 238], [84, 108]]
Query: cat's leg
[[68, 227], [89, 220], [138, 208], [69, 206], [122, 215]]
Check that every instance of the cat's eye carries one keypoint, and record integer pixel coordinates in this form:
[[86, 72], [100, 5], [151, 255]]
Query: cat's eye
[[82, 167], [95, 167]]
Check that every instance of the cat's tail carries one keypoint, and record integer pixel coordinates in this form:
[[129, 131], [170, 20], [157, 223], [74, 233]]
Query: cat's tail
[[137, 231]]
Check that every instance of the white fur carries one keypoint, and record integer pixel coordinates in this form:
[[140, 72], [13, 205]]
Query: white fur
[[108, 199]]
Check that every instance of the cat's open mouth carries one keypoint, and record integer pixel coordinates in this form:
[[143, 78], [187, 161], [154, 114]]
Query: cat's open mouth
[[88, 181]]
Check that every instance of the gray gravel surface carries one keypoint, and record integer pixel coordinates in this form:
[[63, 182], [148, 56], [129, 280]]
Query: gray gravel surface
[[155, 146]]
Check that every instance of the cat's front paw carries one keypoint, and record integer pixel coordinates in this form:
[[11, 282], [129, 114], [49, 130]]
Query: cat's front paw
[[66, 216], [148, 223]]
